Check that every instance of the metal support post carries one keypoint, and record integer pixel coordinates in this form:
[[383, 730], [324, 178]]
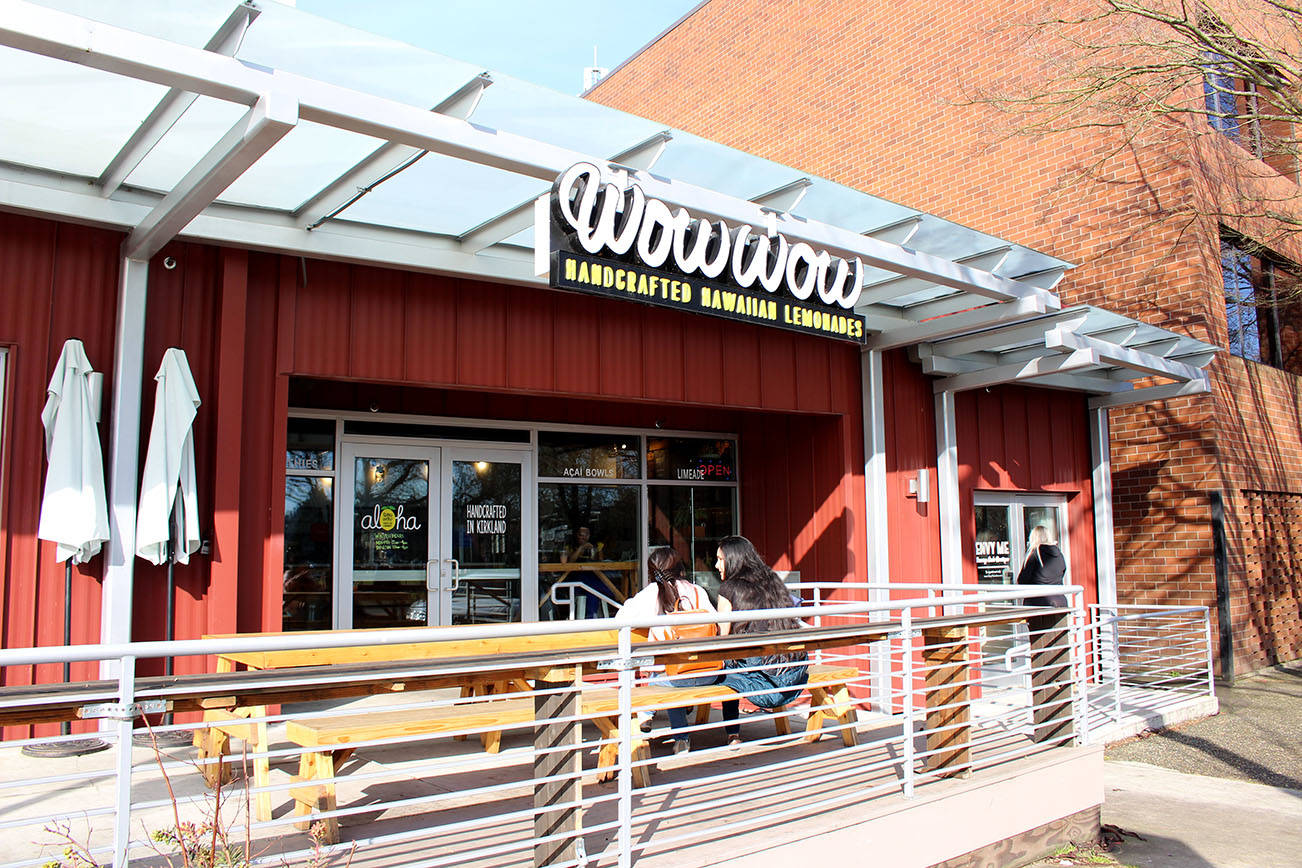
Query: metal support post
[[124, 724], [906, 670]]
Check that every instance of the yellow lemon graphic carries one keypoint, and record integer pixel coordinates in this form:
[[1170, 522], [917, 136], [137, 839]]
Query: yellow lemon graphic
[[387, 519]]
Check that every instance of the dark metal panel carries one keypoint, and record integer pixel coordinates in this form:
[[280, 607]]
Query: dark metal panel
[[776, 371], [813, 375], [530, 317], [578, 323], [431, 329], [322, 308], [663, 354], [619, 344], [481, 336], [377, 332], [702, 360], [742, 364]]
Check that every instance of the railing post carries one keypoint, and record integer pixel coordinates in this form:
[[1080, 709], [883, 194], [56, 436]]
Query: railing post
[[1116, 665], [122, 781], [624, 777], [906, 648], [1051, 676], [1080, 700], [1211, 661], [557, 752]]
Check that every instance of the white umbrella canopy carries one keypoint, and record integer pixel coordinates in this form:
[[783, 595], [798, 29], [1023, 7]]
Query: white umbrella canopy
[[74, 508], [169, 466]]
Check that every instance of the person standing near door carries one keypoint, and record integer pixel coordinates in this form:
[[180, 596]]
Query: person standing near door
[[1044, 565]]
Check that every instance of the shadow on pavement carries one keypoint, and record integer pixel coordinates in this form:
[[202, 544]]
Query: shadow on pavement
[[1249, 767], [1156, 851]]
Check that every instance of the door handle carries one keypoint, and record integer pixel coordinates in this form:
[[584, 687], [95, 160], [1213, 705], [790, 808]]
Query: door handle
[[456, 574], [431, 575]]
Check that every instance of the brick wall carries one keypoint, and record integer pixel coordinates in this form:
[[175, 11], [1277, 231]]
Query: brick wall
[[888, 98]]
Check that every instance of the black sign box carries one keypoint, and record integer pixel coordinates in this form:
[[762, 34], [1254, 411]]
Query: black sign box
[[583, 273]]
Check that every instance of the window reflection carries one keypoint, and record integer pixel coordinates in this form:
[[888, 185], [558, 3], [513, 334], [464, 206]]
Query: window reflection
[[588, 549], [309, 554], [692, 519], [589, 456]]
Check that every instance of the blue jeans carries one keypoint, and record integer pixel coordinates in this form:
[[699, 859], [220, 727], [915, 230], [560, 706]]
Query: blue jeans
[[778, 684], [678, 716]]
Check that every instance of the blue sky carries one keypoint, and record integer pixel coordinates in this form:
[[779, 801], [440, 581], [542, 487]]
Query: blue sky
[[544, 41]]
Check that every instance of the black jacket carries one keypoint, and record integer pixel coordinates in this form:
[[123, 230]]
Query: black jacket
[[1046, 569]]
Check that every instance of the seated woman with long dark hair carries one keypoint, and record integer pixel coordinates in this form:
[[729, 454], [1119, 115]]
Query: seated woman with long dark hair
[[748, 584], [668, 590]]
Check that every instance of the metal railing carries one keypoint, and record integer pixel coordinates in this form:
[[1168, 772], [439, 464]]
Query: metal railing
[[496, 757], [1144, 658]]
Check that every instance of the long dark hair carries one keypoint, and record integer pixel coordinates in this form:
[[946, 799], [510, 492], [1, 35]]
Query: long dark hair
[[748, 584], [665, 567]]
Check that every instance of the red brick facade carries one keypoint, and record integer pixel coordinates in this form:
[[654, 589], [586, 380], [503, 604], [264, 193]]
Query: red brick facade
[[886, 97]]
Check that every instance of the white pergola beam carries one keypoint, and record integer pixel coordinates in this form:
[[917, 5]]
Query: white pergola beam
[[900, 232], [1047, 279], [68, 37], [958, 323], [270, 119], [385, 161], [1008, 336], [1016, 372], [226, 41], [897, 287], [644, 155], [1152, 393], [785, 198], [1112, 354]]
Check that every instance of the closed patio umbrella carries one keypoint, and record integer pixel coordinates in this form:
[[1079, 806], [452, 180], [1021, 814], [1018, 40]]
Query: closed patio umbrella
[[168, 479], [74, 508], [167, 522]]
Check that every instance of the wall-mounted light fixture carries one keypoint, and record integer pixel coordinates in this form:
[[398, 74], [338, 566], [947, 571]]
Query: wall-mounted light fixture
[[920, 485]]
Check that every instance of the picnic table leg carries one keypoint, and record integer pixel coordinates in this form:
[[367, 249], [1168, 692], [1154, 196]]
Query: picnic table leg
[[261, 765], [836, 704], [557, 752], [949, 732], [312, 796], [212, 742], [213, 745]]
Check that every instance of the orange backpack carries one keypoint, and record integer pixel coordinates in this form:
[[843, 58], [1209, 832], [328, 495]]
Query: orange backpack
[[707, 630]]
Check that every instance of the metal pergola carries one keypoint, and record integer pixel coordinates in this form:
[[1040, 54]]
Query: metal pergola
[[269, 128]]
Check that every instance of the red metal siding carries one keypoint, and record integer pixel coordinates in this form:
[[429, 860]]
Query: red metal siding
[[1012, 438], [913, 528], [57, 281]]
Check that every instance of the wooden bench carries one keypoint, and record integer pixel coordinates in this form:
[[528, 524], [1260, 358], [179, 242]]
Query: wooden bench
[[221, 725], [827, 685]]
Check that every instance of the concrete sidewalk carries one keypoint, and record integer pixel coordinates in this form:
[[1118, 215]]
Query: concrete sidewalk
[[1223, 792], [1197, 821]]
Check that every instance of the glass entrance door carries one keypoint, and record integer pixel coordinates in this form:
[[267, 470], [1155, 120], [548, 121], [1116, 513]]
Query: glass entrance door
[[1003, 524], [486, 514], [391, 568]]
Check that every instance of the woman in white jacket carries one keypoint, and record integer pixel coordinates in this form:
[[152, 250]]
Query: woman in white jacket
[[668, 590]]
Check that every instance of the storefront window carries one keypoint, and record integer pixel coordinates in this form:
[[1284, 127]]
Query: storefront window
[[589, 456], [309, 553], [588, 549], [691, 459], [310, 445], [692, 519]]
